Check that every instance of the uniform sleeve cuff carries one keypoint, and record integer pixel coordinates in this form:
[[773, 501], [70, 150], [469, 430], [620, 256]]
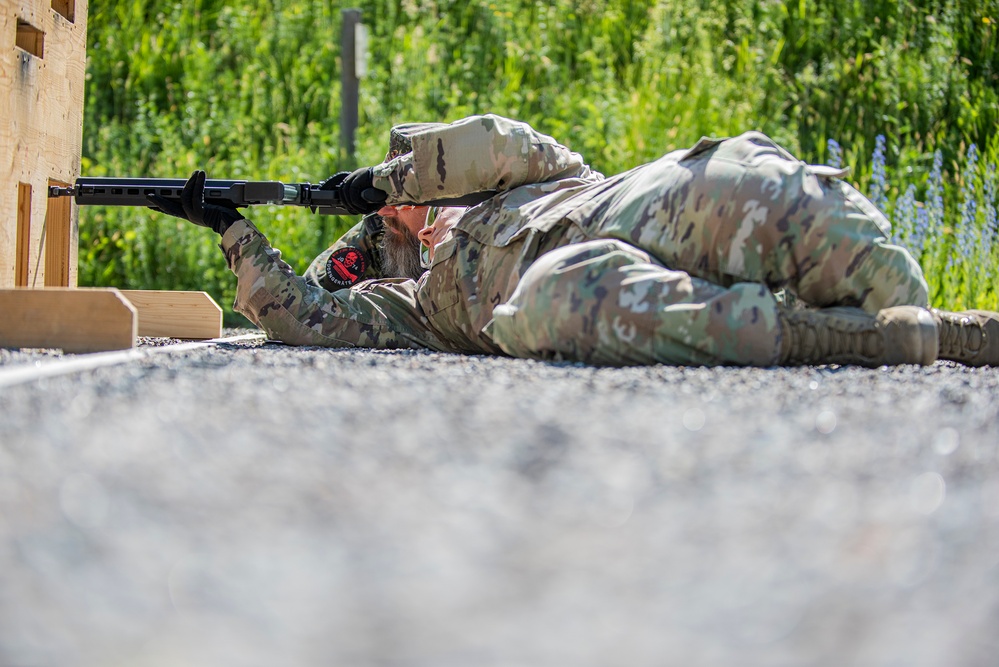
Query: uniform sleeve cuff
[[239, 233]]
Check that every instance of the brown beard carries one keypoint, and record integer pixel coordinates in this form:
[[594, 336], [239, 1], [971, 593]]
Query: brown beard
[[400, 252]]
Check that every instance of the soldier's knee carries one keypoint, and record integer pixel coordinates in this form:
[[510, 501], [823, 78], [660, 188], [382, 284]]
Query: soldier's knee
[[896, 279], [552, 313]]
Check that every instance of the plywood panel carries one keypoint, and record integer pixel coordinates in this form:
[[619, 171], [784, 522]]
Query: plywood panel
[[176, 314], [41, 122], [75, 320]]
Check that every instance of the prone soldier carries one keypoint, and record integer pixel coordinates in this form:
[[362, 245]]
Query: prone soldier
[[676, 261]]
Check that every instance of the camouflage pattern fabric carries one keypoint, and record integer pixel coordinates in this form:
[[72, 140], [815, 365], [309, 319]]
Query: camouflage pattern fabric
[[400, 136], [675, 261], [382, 313], [743, 209], [606, 302], [475, 154]]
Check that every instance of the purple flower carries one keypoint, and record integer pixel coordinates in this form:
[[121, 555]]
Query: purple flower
[[904, 221], [879, 181], [966, 234], [922, 231], [835, 154], [934, 195]]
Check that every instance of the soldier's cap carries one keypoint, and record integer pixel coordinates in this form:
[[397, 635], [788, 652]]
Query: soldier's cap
[[401, 136]]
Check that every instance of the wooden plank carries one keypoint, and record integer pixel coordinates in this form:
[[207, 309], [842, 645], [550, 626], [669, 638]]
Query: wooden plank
[[193, 315], [23, 234], [58, 236], [75, 320]]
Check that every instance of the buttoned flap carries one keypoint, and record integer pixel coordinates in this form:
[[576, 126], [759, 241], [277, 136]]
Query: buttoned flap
[[750, 146], [440, 292], [702, 146], [826, 171], [437, 288], [444, 249]]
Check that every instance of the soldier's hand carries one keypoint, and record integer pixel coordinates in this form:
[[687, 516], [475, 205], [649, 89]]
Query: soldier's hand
[[192, 207], [334, 181], [358, 193]]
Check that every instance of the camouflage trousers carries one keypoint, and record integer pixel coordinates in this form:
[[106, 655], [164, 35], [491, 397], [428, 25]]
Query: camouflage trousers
[[680, 266]]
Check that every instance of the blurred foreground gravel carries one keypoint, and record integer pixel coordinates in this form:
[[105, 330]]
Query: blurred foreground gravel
[[255, 504]]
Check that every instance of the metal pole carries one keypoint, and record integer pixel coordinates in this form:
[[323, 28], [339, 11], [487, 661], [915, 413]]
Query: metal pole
[[349, 84]]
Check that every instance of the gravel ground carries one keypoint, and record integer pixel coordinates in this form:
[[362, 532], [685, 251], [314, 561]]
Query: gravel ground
[[255, 504]]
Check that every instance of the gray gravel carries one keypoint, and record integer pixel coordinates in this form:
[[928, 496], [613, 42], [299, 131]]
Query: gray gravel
[[257, 504]]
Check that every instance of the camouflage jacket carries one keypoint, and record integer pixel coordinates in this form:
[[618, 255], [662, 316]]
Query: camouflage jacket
[[541, 188]]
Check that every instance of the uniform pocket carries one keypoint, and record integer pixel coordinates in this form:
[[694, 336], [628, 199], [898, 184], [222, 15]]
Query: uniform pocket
[[439, 294]]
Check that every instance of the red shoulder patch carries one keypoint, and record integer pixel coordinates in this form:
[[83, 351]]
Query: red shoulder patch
[[346, 266]]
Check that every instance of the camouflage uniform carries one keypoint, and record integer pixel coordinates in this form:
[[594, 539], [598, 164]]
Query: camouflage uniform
[[675, 261]]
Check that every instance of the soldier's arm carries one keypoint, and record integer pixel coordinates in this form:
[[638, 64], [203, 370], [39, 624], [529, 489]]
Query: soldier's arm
[[477, 154], [375, 313], [365, 237]]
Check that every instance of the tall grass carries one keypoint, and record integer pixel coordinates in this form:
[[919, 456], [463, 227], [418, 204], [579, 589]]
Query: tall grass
[[253, 91], [955, 238]]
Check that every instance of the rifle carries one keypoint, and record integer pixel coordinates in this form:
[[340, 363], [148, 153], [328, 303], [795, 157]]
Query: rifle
[[97, 191]]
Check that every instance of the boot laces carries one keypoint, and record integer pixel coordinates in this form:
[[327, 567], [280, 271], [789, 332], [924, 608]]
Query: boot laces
[[836, 340], [960, 335]]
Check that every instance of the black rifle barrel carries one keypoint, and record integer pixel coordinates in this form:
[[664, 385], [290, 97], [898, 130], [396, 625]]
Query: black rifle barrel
[[100, 191], [96, 191]]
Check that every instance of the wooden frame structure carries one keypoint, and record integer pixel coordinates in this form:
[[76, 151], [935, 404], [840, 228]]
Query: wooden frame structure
[[43, 52], [96, 320], [44, 49]]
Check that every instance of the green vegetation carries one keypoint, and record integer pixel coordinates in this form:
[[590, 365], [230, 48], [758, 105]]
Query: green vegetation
[[251, 90]]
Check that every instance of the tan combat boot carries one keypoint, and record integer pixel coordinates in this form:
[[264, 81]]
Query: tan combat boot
[[970, 337], [899, 335]]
